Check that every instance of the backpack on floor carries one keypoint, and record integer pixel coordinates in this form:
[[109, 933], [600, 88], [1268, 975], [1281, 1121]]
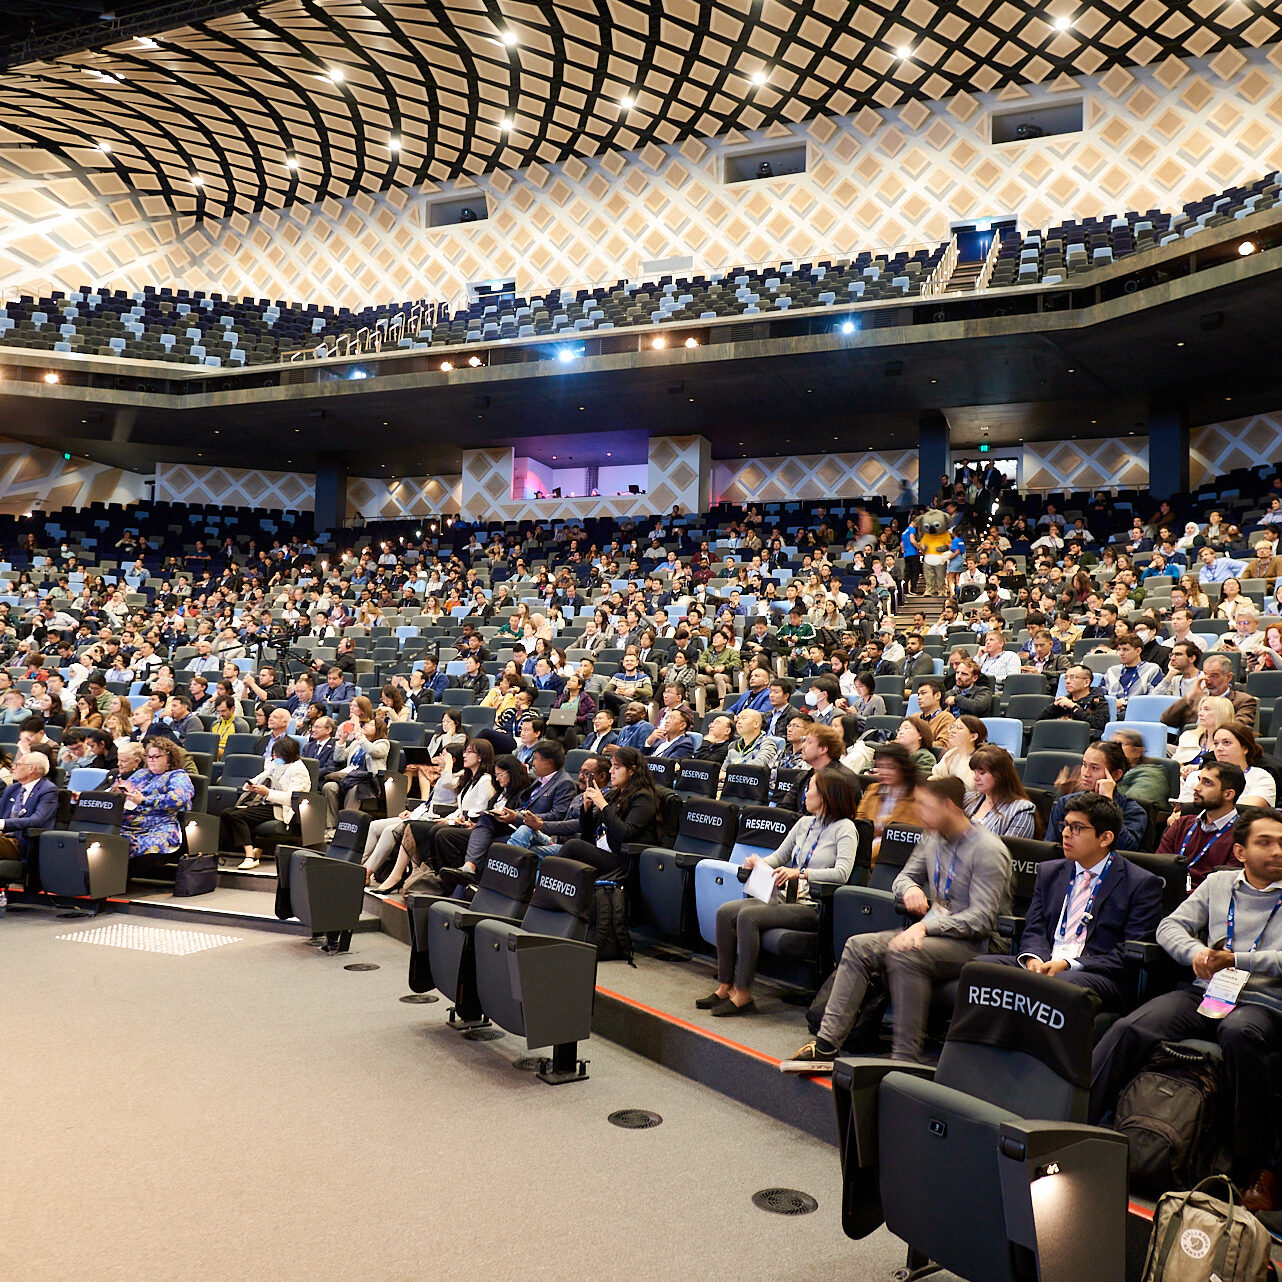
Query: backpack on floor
[[1199, 1238], [608, 923], [1168, 1114]]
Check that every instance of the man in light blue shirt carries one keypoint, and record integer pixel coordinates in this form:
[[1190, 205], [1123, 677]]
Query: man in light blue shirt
[[1213, 569]]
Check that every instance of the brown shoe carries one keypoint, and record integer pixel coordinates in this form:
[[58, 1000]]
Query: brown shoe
[[1261, 1193]]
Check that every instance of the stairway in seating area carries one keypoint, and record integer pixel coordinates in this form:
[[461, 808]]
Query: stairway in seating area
[[910, 604], [964, 276]]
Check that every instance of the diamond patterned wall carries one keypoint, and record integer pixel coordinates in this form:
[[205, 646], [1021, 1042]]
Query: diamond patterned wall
[[32, 478], [813, 476], [1086, 464], [1156, 135], [1218, 448]]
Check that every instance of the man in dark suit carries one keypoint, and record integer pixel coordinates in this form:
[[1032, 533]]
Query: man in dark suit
[[1086, 906], [603, 734], [320, 747], [671, 737], [29, 802], [780, 711], [916, 662]]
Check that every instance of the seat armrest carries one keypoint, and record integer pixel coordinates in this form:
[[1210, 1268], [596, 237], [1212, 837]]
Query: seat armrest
[[466, 919], [1010, 927], [1144, 951], [689, 861], [825, 890]]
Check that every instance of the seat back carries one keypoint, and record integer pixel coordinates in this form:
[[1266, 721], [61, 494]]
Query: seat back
[[240, 766], [898, 843], [1026, 855], [1042, 768], [350, 834], [87, 778], [697, 778], [1020, 1041], [98, 812], [507, 881], [1064, 735], [562, 899], [202, 741], [239, 743], [663, 770], [749, 784], [785, 779], [707, 828], [1173, 870], [761, 830]]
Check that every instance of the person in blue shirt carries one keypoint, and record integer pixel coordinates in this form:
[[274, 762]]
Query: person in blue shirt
[[1213, 569], [337, 688], [757, 694], [911, 551], [433, 679], [635, 729]]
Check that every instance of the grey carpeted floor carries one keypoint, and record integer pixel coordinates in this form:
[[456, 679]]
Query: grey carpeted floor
[[256, 1111]]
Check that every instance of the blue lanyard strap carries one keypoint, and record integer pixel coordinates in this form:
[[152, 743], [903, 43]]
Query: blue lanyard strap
[[948, 881], [1210, 841], [1061, 931], [1228, 938], [818, 830]]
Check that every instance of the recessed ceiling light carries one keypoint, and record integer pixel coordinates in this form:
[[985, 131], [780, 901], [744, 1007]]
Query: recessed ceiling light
[[692, 342], [1246, 247], [626, 103], [759, 78], [553, 458], [505, 124], [51, 377], [104, 146], [446, 366], [1180, 343], [473, 361], [197, 180], [291, 162], [1063, 22], [336, 75], [509, 38], [146, 42], [658, 341], [608, 454], [393, 144], [903, 52]]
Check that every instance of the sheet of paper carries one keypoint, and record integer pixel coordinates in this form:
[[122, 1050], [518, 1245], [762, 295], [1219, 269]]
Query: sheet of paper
[[761, 883]]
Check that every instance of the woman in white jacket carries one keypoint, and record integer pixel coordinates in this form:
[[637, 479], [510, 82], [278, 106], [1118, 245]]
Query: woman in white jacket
[[268, 799]]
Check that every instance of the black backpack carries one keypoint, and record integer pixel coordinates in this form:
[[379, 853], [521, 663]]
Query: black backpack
[[1168, 1114], [608, 923]]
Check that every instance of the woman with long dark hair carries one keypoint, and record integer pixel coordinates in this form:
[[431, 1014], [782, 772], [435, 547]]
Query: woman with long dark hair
[[998, 801], [820, 848], [610, 822]]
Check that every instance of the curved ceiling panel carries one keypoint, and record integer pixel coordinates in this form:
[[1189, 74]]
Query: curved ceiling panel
[[306, 99]]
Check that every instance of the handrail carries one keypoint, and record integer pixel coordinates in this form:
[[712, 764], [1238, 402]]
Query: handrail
[[937, 281], [386, 331], [990, 261]]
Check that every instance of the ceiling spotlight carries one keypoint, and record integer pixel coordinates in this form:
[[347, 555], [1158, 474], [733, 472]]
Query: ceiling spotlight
[[291, 162], [765, 170], [759, 78], [692, 342], [197, 181], [104, 147], [505, 124], [658, 341], [446, 366], [51, 377], [393, 144], [467, 215], [107, 15], [847, 327], [1063, 22], [336, 75], [473, 361], [903, 52], [626, 103], [565, 354], [1246, 247], [509, 38]]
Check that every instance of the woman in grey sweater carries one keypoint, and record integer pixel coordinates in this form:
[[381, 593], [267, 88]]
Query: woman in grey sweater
[[820, 848]]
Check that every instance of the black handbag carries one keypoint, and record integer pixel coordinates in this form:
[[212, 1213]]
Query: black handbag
[[196, 875]]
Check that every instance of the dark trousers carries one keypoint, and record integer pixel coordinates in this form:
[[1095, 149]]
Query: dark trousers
[[606, 862], [739, 927], [1247, 1035], [236, 826], [1110, 992], [450, 846]]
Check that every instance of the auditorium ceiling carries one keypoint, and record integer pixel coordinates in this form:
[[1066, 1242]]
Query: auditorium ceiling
[[203, 109]]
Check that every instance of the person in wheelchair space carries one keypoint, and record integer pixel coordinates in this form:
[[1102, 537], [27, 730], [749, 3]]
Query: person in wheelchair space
[[1231, 923], [956, 884]]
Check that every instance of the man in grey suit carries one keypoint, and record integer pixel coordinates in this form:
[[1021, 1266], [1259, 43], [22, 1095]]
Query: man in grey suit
[[957, 883]]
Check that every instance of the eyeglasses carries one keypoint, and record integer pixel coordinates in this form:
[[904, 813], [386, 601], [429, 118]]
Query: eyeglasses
[[1076, 830]]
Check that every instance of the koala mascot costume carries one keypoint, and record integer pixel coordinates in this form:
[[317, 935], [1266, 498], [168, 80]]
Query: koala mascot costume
[[934, 538]]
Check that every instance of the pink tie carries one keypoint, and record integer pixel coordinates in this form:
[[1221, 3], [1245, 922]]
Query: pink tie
[[1077, 905]]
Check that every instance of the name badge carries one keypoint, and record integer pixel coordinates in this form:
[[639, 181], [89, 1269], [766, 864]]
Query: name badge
[[1222, 992]]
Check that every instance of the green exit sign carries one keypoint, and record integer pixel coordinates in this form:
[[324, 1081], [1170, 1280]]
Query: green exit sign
[[983, 447]]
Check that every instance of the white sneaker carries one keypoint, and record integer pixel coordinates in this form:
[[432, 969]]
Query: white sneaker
[[246, 863]]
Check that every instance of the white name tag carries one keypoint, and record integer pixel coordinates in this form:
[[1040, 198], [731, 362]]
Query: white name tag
[[1222, 992]]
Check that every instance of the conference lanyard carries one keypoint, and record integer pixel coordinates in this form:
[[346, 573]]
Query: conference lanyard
[[948, 881], [1228, 939], [1061, 931], [1210, 841], [818, 830]]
